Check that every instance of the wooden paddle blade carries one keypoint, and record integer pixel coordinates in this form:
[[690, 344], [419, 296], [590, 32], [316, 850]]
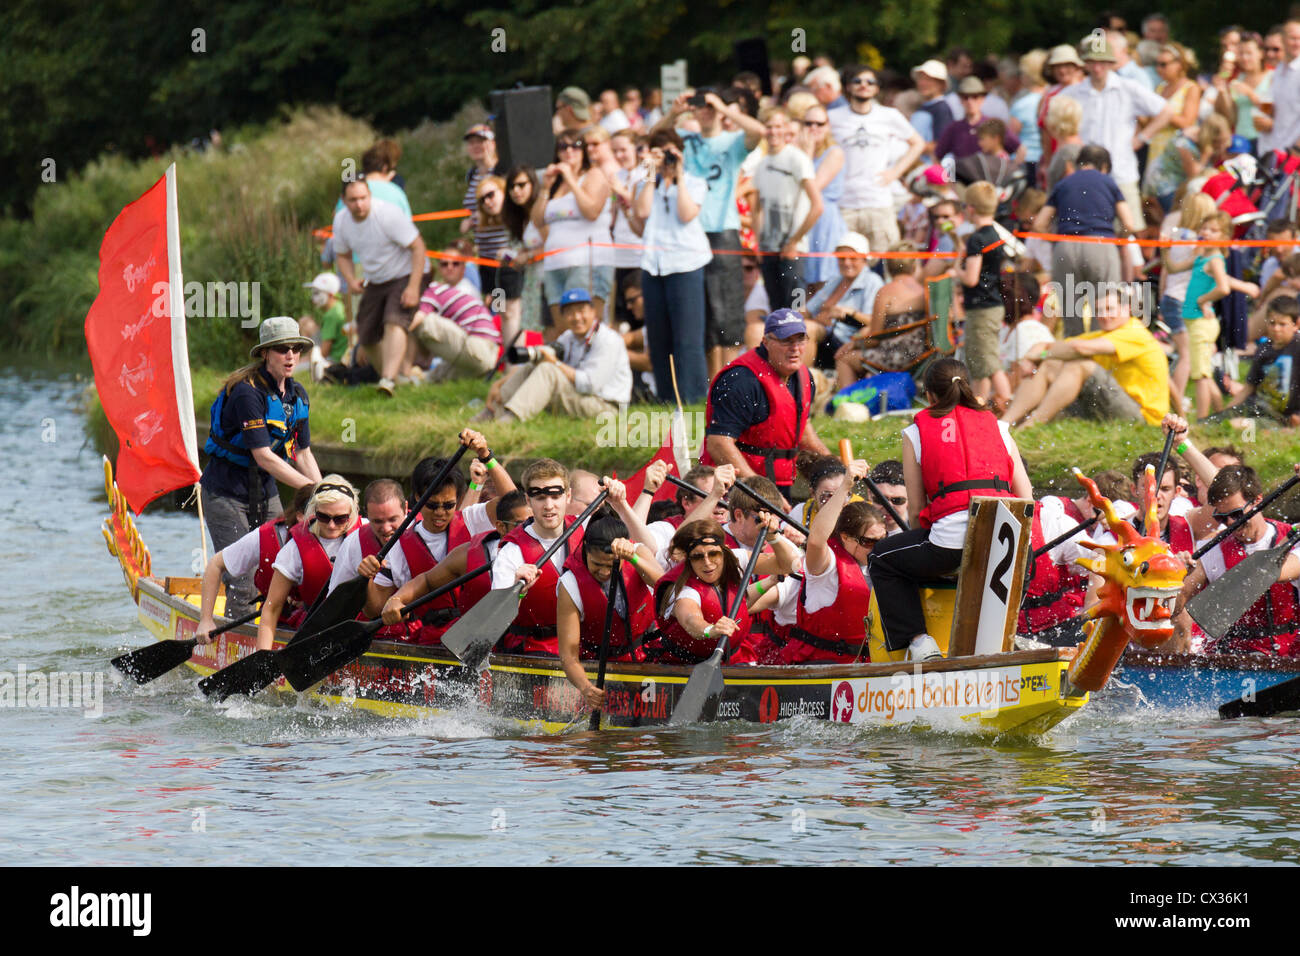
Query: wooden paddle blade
[[1271, 700], [1221, 605], [147, 663], [246, 676], [344, 603], [310, 662], [703, 690], [472, 637]]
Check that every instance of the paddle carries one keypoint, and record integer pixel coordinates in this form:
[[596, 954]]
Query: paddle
[[345, 602], [846, 455], [151, 662], [308, 662], [1269, 701], [472, 637], [1160, 473], [249, 674], [1064, 536], [615, 583], [1268, 500], [1221, 605], [781, 515], [706, 683]]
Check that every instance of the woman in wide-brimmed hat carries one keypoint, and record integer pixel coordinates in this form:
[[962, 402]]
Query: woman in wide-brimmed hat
[[258, 434]]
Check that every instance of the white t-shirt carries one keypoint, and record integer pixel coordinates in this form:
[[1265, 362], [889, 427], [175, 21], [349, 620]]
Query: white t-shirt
[[243, 556], [1054, 520], [569, 582], [690, 595], [786, 611], [380, 241], [615, 121], [349, 558], [779, 180], [510, 559], [289, 562], [1213, 564], [865, 139], [399, 571], [1181, 506], [822, 590], [476, 518], [950, 530], [757, 300], [1019, 340]]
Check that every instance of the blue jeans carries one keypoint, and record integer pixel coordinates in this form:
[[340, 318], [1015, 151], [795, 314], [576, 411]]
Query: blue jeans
[[674, 325]]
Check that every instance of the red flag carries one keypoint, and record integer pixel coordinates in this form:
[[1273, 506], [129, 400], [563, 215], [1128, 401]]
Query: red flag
[[135, 332], [675, 452]]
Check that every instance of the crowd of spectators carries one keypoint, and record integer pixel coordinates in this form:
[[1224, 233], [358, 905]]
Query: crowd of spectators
[[683, 225]]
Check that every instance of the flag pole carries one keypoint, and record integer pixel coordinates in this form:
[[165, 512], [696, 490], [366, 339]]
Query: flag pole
[[681, 412], [181, 351]]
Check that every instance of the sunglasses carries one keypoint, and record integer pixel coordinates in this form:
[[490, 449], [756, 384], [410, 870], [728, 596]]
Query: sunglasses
[[815, 123], [896, 499], [865, 542], [570, 144], [522, 184], [714, 555], [336, 521], [486, 196], [864, 81], [550, 491], [441, 506], [1229, 517], [286, 349]]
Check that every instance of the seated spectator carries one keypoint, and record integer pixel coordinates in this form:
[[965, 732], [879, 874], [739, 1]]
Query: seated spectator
[[330, 333], [1272, 391], [840, 309], [900, 301], [1116, 372], [584, 374], [457, 328], [1023, 332], [633, 331]]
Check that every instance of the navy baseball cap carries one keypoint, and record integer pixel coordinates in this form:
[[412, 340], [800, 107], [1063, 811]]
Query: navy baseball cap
[[574, 296], [784, 323]]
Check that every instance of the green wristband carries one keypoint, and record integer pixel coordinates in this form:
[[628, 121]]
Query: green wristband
[[634, 560], [1182, 448], [473, 486], [491, 463], [758, 586]]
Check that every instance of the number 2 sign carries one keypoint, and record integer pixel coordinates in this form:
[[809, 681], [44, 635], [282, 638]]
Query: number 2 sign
[[997, 582]]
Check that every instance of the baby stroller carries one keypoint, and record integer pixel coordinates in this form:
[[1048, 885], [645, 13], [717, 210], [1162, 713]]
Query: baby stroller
[[1255, 192]]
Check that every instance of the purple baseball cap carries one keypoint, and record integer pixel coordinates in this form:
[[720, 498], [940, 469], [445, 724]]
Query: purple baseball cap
[[784, 323]]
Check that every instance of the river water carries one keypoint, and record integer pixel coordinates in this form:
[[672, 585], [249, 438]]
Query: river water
[[162, 776]]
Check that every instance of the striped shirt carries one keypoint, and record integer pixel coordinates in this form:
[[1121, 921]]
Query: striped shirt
[[458, 306], [488, 240]]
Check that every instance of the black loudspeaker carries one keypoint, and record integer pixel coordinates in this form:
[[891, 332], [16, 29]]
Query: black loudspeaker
[[522, 121], [751, 55]]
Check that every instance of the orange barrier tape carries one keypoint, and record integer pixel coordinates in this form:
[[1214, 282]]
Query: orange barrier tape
[[1162, 243], [324, 232]]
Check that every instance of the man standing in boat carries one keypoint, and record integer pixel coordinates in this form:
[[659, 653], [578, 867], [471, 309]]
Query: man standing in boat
[[759, 406]]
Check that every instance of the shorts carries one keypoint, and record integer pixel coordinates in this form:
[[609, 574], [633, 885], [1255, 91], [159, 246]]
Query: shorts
[[556, 282], [381, 305], [1171, 312], [1204, 337], [1101, 398], [510, 281], [982, 327], [724, 292]]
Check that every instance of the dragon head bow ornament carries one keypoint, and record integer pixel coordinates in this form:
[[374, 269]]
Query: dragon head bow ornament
[[1141, 582]]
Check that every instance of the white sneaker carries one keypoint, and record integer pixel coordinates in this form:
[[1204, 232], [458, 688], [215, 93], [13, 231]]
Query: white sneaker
[[386, 386], [924, 648]]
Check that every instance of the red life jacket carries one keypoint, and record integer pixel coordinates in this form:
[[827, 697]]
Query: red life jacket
[[1055, 593], [1271, 624], [674, 645], [407, 630], [480, 552], [435, 618], [836, 633], [626, 632], [961, 452], [1178, 535], [533, 630], [316, 566], [271, 537], [770, 446]]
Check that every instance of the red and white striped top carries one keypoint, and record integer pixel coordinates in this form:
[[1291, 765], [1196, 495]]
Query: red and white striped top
[[462, 308]]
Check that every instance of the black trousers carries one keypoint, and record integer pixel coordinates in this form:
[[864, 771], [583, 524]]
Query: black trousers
[[899, 565]]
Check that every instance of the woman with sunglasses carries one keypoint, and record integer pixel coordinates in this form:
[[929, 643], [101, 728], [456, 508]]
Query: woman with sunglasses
[[574, 214], [835, 592], [693, 599], [518, 271], [258, 435], [815, 139], [490, 235], [303, 567], [1182, 95], [955, 449]]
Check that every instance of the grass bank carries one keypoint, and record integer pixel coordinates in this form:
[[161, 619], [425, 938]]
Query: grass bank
[[246, 212], [351, 425]]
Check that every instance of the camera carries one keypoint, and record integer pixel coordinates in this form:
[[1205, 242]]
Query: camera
[[669, 159], [526, 354]]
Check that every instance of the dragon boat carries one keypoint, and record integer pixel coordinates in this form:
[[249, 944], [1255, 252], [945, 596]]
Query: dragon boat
[[984, 684]]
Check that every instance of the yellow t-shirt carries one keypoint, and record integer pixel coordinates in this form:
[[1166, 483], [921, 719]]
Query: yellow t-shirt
[[1139, 366]]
